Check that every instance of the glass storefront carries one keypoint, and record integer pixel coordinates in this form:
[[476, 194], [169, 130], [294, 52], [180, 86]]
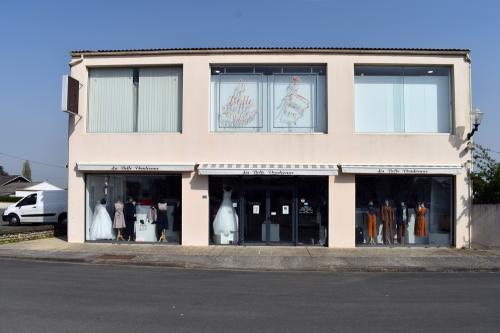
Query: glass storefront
[[133, 208], [404, 210], [268, 210]]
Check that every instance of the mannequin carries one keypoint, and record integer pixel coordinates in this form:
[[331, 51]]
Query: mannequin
[[387, 215], [226, 221], [119, 220], [372, 222], [102, 226], [129, 212], [401, 222], [421, 223], [152, 215], [162, 223]]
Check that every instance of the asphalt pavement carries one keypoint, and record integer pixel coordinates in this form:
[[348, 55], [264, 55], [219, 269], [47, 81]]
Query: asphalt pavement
[[61, 297]]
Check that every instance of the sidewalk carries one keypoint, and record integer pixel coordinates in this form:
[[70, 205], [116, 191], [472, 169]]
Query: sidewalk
[[259, 257]]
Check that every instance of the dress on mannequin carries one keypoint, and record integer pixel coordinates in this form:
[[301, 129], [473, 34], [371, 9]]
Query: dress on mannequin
[[421, 224], [401, 222], [162, 221], [372, 222], [119, 220], [102, 226], [226, 221], [387, 215], [129, 212]]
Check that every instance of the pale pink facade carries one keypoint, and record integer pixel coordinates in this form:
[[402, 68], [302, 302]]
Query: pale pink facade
[[341, 145]]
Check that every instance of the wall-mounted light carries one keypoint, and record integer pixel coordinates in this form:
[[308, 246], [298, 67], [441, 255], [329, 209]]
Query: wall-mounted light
[[476, 116]]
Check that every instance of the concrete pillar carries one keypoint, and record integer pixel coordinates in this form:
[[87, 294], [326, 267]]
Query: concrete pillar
[[342, 211], [463, 203], [76, 207], [195, 217]]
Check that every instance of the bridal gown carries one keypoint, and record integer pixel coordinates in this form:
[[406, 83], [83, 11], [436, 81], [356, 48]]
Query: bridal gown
[[226, 222], [102, 226]]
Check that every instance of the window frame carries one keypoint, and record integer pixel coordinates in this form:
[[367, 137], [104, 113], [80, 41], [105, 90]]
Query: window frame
[[268, 72], [402, 66], [136, 68]]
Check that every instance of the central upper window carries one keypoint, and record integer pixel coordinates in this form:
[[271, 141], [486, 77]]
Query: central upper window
[[268, 99]]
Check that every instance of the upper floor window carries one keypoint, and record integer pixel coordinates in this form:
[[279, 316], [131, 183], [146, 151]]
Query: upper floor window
[[268, 99], [402, 99], [123, 100]]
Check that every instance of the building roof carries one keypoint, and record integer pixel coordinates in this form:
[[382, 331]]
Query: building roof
[[10, 189], [5, 180], [257, 50]]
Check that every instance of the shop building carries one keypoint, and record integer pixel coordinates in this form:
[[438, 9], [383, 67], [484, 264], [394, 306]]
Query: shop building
[[328, 147]]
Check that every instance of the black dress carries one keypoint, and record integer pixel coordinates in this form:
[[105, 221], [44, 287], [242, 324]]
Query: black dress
[[129, 213], [162, 220]]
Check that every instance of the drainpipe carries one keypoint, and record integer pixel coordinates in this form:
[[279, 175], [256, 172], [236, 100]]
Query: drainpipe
[[76, 61], [469, 180]]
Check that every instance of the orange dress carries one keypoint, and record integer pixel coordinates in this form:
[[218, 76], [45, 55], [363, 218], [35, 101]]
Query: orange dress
[[421, 223], [372, 225]]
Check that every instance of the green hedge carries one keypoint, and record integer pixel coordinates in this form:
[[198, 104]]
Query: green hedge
[[5, 198]]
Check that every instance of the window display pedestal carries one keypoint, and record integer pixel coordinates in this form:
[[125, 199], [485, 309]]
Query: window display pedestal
[[145, 232], [222, 239], [274, 233]]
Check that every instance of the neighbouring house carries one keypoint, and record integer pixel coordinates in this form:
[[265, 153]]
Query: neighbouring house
[[272, 146], [19, 186], [9, 184]]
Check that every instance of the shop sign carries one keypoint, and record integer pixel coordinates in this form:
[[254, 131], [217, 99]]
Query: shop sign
[[133, 168], [402, 171], [118, 167], [267, 172]]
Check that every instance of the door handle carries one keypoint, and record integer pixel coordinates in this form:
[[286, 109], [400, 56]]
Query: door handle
[[33, 207]]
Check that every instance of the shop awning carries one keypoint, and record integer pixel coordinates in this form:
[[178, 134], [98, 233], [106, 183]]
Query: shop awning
[[280, 169], [135, 167], [401, 169]]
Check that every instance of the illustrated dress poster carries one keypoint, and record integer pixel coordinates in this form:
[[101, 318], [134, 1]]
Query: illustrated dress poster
[[239, 104], [293, 101]]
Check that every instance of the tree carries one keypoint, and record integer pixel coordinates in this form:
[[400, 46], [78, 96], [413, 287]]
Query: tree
[[26, 170], [3, 172], [485, 177]]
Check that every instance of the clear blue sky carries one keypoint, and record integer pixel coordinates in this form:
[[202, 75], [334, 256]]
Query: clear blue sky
[[36, 37]]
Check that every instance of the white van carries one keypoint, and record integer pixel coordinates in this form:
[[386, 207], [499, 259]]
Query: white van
[[39, 207]]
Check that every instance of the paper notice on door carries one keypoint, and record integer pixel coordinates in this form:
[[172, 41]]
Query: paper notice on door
[[256, 209], [273, 213], [285, 210]]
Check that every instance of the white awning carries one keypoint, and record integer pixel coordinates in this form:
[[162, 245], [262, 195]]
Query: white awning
[[135, 167], [279, 169], [401, 169]]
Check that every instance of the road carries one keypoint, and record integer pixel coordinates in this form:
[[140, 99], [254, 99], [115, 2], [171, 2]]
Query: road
[[57, 297]]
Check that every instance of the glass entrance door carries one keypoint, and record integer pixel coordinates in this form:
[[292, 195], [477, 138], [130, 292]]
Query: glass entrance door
[[281, 226], [255, 216], [269, 216]]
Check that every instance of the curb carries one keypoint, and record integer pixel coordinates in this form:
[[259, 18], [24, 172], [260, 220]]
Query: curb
[[189, 265]]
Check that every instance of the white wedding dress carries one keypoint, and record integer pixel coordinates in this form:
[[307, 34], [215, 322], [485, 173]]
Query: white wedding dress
[[226, 222], [102, 226]]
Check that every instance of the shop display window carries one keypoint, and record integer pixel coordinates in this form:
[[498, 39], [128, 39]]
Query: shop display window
[[133, 208], [268, 210], [404, 210]]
